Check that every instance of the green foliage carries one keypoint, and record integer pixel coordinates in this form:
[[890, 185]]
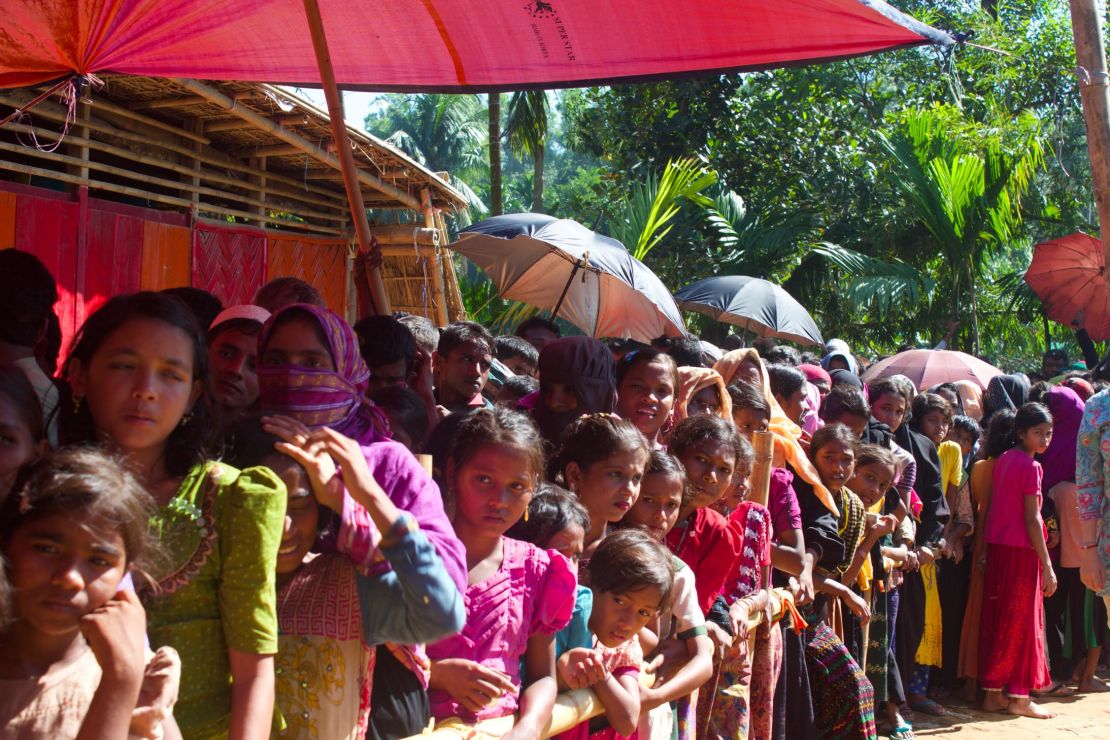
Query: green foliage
[[875, 283], [445, 133], [648, 215]]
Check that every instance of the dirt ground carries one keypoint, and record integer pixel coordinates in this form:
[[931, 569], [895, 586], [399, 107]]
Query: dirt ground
[[1081, 716]]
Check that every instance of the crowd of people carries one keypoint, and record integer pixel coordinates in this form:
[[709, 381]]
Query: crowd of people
[[260, 521]]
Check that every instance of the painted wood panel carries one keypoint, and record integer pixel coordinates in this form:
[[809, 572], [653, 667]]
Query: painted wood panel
[[166, 256], [112, 257], [321, 263], [229, 262], [7, 220], [47, 228]]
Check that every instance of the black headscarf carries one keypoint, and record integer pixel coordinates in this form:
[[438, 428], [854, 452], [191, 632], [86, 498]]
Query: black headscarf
[[584, 365], [928, 485], [1004, 392], [845, 377]]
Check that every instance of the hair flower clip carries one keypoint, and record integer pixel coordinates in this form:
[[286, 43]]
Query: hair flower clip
[[24, 502]]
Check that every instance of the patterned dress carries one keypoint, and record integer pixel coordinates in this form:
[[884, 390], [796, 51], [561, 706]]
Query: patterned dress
[[736, 694], [332, 616], [532, 592], [215, 586], [1093, 471]]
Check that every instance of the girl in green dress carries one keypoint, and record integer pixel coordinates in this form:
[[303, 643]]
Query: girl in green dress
[[135, 377]]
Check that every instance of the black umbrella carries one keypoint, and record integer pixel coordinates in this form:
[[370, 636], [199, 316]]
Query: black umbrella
[[752, 303], [588, 279]]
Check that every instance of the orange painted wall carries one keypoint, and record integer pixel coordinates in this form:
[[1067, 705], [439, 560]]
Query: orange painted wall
[[7, 220], [166, 256], [319, 262]]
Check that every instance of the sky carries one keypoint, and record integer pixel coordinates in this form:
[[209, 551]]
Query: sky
[[355, 104]]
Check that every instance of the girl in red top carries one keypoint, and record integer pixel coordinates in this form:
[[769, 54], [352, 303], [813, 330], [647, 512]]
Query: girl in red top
[[708, 448]]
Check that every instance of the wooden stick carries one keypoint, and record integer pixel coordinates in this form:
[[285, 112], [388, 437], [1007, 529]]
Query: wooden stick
[[346, 156], [1094, 91], [162, 182], [192, 173], [146, 195], [438, 292], [119, 110], [405, 234], [764, 444]]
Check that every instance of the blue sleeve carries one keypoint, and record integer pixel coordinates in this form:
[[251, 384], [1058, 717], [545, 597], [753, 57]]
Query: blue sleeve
[[415, 602], [577, 632]]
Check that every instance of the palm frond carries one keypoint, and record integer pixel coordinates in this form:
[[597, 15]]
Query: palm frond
[[757, 244], [877, 283], [648, 214]]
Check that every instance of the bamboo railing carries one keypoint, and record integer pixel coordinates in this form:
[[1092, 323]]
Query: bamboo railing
[[577, 706]]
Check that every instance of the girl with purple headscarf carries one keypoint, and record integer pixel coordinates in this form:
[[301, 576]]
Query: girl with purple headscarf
[[311, 375]]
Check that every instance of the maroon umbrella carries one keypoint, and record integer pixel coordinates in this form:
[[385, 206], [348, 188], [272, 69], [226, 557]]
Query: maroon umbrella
[[1068, 275], [928, 367]]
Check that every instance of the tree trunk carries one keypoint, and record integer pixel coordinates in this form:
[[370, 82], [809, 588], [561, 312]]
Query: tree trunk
[[537, 177], [1086, 24], [496, 204], [974, 309]]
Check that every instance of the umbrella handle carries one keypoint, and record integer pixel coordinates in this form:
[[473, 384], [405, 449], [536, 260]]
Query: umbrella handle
[[577, 265]]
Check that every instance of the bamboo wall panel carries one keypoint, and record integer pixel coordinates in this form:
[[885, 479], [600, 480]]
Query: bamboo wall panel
[[7, 220], [47, 228], [229, 262], [166, 256], [322, 263], [112, 256]]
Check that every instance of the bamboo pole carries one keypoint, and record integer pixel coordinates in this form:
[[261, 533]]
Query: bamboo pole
[[1094, 91], [346, 156], [190, 172], [168, 184], [401, 234], [438, 291], [576, 706], [147, 195], [764, 444]]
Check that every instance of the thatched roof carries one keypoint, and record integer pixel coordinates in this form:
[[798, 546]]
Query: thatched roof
[[246, 151]]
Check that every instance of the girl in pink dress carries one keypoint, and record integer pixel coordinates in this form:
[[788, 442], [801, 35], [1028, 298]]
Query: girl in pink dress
[[1018, 571], [518, 596]]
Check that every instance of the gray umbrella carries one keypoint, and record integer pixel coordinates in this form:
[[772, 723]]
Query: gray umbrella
[[753, 304], [586, 278]]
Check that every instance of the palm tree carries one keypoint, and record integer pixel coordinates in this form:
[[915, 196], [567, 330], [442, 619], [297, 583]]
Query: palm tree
[[526, 135], [445, 133], [496, 200], [966, 193]]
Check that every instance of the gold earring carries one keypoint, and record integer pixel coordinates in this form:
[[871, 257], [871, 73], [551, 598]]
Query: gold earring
[[186, 419], [526, 515]]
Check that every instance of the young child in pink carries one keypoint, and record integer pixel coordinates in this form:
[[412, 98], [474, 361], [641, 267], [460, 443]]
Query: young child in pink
[[518, 596], [1018, 571]]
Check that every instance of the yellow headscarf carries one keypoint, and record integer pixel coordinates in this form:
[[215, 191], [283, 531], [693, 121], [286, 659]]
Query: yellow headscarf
[[691, 381], [787, 433]]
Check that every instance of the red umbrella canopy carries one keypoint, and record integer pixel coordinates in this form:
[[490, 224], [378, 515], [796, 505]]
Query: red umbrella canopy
[[440, 44], [1068, 275]]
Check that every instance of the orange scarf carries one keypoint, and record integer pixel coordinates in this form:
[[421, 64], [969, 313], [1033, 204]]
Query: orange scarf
[[787, 433]]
